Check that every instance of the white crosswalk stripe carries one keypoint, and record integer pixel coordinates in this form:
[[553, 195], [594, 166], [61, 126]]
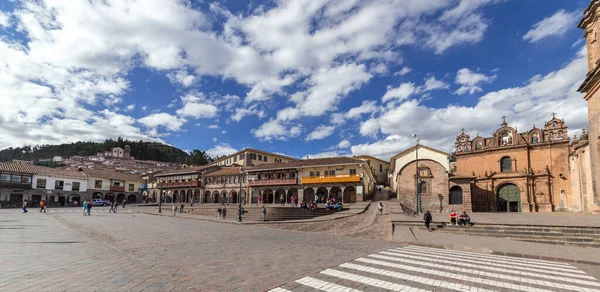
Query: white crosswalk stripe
[[415, 268]]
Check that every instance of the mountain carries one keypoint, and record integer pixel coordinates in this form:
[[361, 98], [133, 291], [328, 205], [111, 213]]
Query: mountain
[[139, 150]]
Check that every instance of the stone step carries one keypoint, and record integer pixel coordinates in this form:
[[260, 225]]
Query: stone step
[[534, 236], [530, 233]]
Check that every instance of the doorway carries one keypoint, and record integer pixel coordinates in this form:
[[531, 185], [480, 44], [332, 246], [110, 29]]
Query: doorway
[[509, 198]]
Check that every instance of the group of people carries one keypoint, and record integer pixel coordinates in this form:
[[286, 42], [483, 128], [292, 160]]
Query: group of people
[[87, 208], [462, 219], [222, 211], [311, 205]]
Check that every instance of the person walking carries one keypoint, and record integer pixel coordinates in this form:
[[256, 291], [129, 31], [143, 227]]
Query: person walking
[[116, 205], [224, 211], [42, 203], [380, 208], [282, 200], [112, 207], [85, 205], [124, 203], [192, 203], [181, 208], [89, 209], [174, 210], [263, 213], [259, 200], [427, 218], [24, 206], [219, 210]]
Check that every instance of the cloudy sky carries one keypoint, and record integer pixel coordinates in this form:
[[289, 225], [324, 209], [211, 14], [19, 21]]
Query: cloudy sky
[[301, 77]]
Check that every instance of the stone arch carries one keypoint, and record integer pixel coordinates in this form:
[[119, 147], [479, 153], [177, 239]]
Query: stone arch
[[131, 199], [196, 195], [243, 196], [206, 198], [412, 168], [154, 196], [215, 197], [224, 197], [535, 136], [188, 196], [349, 194], [278, 194], [508, 197], [337, 193], [292, 192], [255, 195], [499, 136], [309, 194], [175, 196], [506, 164], [456, 196], [478, 144], [233, 197], [120, 197], [110, 197], [98, 195], [268, 196], [321, 194]]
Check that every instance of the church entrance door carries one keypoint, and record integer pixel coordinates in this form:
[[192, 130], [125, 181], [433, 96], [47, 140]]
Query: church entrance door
[[509, 197]]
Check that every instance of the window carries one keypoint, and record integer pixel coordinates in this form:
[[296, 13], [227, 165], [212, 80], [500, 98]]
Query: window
[[76, 186], [462, 139], [478, 145], [505, 164], [259, 157], [550, 136], [41, 183], [554, 125], [353, 171], [311, 174], [560, 135], [318, 173], [332, 172], [117, 183], [466, 147], [131, 187], [380, 168], [98, 184], [423, 187], [15, 178], [235, 159], [459, 148], [5, 177], [326, 173], [59, 184], [26, 180], [456, 196], [265, 158], [534, 139]]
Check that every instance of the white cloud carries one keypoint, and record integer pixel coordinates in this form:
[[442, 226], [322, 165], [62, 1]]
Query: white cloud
[[555, 25], [343, 144], [524, 106], [269, 130], [4, 19], [367, 106], [214, 139], [405, 70], [295, 131], [470, 81], [130, 107], [181, 77], [432, 84], [220, 150], [165, 120], [214, 126], [195, 106], [402, 92], [240, 113], [321, 132], [223, 132], [325, 154], [144, 108]]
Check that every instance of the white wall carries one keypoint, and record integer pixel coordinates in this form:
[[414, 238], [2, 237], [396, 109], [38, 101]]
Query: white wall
[[67, 186], [424, 153], [105, 183]]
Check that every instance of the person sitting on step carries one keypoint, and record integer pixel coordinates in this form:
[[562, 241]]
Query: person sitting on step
[[453, 218], [338, 206], [464, 219]]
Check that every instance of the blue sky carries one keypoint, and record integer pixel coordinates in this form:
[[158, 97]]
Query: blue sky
[[306, 77]]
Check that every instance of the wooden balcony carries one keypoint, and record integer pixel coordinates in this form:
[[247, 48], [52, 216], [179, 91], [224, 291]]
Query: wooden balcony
[[342, 178], [15, 185], [117, 189], [274, 182], [181, 184]]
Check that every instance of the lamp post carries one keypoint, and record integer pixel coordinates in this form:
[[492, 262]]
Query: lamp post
[[240, 196], [416, 136]]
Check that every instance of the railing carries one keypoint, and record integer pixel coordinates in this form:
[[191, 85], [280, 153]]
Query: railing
[[15, 185], [342, 178], [117, 189], [273, 182], [181, 184]]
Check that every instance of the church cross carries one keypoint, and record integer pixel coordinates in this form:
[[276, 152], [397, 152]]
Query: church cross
[[504, 119], [462, 130], [553, 115]]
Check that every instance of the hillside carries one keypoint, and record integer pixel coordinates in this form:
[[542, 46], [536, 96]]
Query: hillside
[[139, 149]]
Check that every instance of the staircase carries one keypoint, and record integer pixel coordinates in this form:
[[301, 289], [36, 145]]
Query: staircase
[[273, 213], [573, 236]]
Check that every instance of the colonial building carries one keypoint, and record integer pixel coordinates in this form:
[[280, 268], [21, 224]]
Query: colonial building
[[111, 185], [580, 170], [590, 24], [430, 176], [183, 185], [252, 157], [378, 167], [19, 182], [226, 185], [516, 171]]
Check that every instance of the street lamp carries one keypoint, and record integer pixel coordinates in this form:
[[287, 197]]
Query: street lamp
[[160, 195], [416, 136], [240, 196]]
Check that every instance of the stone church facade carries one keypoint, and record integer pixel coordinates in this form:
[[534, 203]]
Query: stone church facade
[[589, 154]]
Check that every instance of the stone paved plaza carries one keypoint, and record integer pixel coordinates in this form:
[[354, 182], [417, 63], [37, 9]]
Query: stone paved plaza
[[65, 251]]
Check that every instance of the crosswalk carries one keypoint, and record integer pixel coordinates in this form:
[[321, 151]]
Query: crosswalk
[[415, 268]]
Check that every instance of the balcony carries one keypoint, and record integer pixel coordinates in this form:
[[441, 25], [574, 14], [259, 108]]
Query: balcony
[[117, 189], [273, 182], [342, 178], [15, 185], [181, 184]]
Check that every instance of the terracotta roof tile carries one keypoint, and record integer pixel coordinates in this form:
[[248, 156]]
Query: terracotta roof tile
[[308, 162], [111, 174], [186, 170], [225, 171], [40, 170]]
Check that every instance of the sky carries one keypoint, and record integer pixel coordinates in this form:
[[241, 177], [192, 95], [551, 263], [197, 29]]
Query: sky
[[300, 77]]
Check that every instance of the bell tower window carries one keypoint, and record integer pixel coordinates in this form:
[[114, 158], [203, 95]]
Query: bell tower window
[[459, 148], [551, 136], [560, 135]]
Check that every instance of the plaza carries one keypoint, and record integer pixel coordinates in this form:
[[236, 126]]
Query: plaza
[[62, 250]]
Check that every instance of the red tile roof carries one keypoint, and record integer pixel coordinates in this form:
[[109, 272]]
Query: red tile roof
[[40, 170]]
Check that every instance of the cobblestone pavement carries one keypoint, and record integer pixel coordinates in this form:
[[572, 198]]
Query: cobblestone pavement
[[429, 269]]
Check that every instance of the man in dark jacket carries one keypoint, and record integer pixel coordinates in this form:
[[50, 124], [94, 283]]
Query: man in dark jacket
[[427, 218]]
